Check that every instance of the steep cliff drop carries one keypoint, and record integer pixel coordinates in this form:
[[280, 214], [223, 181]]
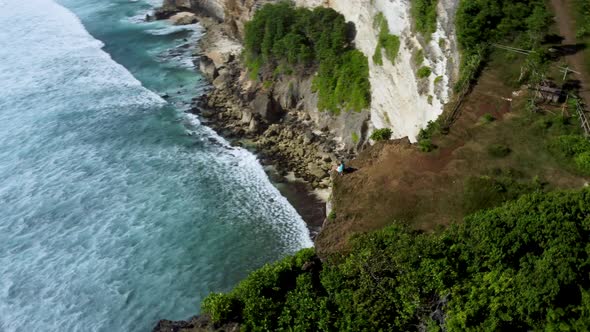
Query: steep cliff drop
[[282, 119], [401, 100]]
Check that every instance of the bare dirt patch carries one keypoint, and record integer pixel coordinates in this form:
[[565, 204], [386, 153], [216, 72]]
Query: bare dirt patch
[[395, 182]]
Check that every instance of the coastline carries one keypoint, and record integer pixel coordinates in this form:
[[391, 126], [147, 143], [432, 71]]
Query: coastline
[[303, 177], [307, 194]]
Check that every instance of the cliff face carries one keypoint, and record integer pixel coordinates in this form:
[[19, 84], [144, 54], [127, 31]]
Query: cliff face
[[312, 139], [400, 100]]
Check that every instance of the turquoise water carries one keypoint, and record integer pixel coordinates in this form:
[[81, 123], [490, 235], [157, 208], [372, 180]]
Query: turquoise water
[[117, 208]]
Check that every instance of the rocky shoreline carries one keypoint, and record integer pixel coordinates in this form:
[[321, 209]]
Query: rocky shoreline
[[270, 117], [280, 122], [298, 159]]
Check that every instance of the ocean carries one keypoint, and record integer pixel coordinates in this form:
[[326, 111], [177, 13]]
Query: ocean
[[117, 207]]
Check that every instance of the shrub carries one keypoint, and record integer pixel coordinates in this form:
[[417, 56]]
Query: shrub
[[582, 9], [583, 162], [569, 145], [424, 15], [391, 46], [382, 134], [424, 72], [378, 55], [221, 307], [282, 36], [426, 145], [355, 138], [487, 21], [482, 22], [259, 299], [519, 267], [425, 136], [419, 58], [499, 150], [332, 215], [386, 42]]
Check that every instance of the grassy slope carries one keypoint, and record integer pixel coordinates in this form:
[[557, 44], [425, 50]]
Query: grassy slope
[[395, 182]]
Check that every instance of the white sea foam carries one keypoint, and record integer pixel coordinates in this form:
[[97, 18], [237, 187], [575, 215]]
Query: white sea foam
[[110, 217]]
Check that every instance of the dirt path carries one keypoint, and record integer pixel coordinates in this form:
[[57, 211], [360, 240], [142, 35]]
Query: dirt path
[[565, 23]]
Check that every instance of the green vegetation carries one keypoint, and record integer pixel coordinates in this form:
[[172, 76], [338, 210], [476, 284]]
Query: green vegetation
[[332, 215], [582, 16], [488, 191], [387, 42], [522, 266], [438, 79], [573, 149], [499, 150], [419, 57], [424, 72], [425, 136], [424, 15], [485, 21], [522, 23], [582, 10], [487, 118], [382, 134], [355, 138], [567, 143], [281, 37]]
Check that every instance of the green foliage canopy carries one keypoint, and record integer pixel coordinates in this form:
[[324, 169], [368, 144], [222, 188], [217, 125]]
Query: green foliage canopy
[[424, 15], [484, 21], [382, 134], [282, 36], [386, 42], [522, 266]]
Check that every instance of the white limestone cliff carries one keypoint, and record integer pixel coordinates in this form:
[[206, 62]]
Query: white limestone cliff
[[400, 100]]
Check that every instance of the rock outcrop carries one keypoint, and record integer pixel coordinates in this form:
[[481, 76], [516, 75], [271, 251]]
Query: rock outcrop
[[273, 119], [212, 8], [195, 324], [183, 18], [400, 99]]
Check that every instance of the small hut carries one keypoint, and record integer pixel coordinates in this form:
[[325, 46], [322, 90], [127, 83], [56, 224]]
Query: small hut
[[548, 93]]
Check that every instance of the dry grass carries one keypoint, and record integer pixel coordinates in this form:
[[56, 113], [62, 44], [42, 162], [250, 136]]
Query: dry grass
[[395, 182]]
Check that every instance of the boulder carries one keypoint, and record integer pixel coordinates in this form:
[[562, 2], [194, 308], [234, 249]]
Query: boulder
[[183, 18], [208, 68], [264, 106], [316, 171], [222, 54], [222, 79]]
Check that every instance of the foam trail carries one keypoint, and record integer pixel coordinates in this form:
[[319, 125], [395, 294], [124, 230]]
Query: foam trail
[[111, 216]]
